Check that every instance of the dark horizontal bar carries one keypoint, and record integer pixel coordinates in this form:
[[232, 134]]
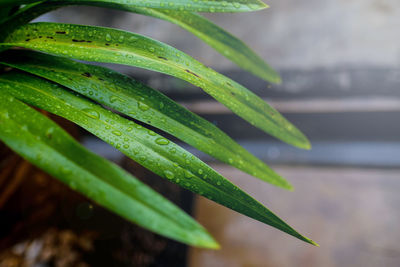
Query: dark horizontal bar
[[332, 82], [353, 126]]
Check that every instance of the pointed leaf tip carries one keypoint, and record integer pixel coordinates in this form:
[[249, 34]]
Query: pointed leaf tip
[[313, 243], [262, 6], [306, 145], [211, 245], [277, 80], [302, 142]]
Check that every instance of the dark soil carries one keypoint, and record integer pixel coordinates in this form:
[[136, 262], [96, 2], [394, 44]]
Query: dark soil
[[44, 223]]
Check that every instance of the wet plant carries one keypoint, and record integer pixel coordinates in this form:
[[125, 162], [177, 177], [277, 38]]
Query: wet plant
[[39, 70]]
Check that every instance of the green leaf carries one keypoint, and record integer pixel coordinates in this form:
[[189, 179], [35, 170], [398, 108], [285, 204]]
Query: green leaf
[[45, 144], [144, 146], [115, 46], [221, 40], [143, 103], [181, 5]]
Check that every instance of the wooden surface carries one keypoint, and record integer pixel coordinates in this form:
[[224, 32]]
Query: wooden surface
[[352, 213]]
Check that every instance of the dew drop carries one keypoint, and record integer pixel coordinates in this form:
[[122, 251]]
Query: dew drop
[[91, 113], [169, 174], [114, 98], [117, 133], [188, 174], [162, 141], [143, 106], [133, 39]]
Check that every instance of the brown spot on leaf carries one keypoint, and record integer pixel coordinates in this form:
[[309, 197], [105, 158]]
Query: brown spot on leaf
[[80, 41], [188, 71]]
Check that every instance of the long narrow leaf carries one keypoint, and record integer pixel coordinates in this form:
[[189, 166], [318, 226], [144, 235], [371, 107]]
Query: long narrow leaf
[[115, 46], [221, 40], [189, 5], [143, 103], [146, 147], [181, 5], [45, 144]]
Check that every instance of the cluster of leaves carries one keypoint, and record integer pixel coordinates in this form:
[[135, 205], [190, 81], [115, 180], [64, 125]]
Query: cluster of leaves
[[80, 92]]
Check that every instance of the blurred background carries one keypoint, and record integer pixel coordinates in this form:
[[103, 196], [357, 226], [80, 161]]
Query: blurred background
[[340, 65]]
